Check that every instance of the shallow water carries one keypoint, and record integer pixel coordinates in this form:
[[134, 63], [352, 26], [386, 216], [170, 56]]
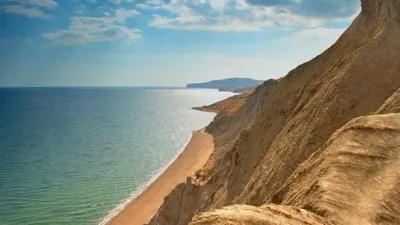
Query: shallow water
[[71, 155]]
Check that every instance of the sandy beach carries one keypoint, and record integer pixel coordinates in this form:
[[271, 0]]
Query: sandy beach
[[193, 157]]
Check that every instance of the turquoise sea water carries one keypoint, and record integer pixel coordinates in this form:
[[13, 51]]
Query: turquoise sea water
[[72, 155]]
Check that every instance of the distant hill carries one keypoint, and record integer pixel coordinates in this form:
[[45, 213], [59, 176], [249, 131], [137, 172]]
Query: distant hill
[[230, 83]]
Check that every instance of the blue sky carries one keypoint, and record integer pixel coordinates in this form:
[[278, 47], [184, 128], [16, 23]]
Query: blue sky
[[162, 42]]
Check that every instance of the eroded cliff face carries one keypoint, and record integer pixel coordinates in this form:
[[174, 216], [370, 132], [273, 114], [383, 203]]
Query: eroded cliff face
[[392, 105], [251, 215], [352, 179], [281, 146]]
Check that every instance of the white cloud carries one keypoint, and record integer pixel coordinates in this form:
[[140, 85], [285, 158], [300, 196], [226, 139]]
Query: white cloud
[[122, 14], [151, 4], [112, 1], [218, 4], [313, 8], [25, 11], [255, 19], [226, 15], [197, 22], [84, 30], [29, 8], [81, 10], [143, 6], [38, 3]]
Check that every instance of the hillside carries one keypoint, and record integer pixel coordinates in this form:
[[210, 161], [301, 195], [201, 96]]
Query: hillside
[[227, 84], [319, 146]]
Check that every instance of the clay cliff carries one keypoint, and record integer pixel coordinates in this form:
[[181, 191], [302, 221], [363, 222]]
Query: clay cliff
[[319, 146]]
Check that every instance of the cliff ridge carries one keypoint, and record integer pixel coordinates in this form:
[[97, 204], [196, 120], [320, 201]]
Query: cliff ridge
[[318, 146]]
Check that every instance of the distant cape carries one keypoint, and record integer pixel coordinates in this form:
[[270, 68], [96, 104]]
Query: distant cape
[[227, 84]]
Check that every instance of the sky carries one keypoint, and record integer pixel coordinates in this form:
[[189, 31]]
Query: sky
[[162, 42]]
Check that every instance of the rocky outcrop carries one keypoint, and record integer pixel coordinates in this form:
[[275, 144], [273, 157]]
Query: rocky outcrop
[[354, 177], [281, 147], [391, 105], [250, 215]]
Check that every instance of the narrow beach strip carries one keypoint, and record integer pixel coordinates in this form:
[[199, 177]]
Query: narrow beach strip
[[192, 158]]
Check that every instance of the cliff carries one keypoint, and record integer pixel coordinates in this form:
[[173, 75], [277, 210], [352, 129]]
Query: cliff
[[319, 146], [352, 179]]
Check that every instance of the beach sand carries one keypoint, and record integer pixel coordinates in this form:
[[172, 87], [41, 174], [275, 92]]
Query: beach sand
[[142, 208]]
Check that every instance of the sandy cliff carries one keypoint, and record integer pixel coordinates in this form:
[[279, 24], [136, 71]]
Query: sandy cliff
[[321, 145], [352, 179]]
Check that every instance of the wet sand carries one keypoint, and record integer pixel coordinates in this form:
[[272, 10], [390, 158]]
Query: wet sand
[[193, 157]]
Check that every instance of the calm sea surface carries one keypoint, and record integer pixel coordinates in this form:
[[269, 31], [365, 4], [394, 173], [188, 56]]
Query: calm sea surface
[[72, 155]]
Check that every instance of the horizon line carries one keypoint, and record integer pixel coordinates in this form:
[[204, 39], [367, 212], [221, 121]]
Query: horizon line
[[95, 86]]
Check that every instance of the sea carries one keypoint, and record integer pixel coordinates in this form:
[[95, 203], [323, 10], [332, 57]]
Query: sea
[[77, 155]]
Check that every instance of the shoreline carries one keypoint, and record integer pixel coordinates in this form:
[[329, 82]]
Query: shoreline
[[126, 202], [143, 207]]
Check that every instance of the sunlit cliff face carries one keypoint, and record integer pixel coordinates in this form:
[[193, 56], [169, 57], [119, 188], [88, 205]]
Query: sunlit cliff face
[[312, 147]]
